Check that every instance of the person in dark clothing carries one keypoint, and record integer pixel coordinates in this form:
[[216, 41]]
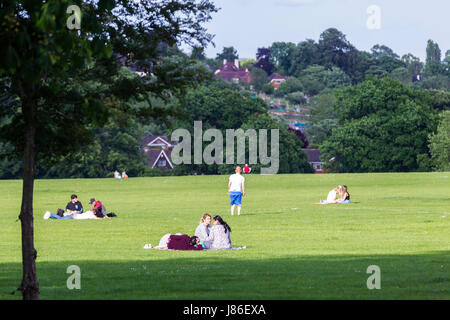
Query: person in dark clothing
[[98, 208], [181, 242], [74, 206]]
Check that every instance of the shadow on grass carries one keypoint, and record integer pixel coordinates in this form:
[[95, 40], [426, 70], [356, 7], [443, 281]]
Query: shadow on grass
[[224, 275]]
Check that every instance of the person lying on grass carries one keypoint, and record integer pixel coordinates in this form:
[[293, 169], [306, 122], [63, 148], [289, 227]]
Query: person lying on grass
[[178, 242], [77, 216]]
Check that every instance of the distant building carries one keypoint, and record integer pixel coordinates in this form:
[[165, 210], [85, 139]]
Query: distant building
[[157, 151], [128, 61], [314, 159], [277, 79], [417, 78], [232, 72]]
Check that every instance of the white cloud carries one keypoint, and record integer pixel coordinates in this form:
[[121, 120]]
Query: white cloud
[[294, 3]]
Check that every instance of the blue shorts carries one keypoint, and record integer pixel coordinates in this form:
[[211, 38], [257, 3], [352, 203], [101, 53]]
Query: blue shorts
[[236, 198]]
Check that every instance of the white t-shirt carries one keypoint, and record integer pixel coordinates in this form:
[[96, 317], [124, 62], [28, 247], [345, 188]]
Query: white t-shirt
[[236, 181], [331, 196]]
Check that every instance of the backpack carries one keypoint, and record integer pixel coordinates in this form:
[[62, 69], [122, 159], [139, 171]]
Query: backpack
[[60, 212]]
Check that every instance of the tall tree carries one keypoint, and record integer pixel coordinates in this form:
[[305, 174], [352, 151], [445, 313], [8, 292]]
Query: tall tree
[[337, 50], [440, 143], [280, 54], [263, 60], [258, 78], [433, 52], [306, 53], [228, 53], [384, 128], [447, 57], [382, 50], [49, 60], [414, 65]]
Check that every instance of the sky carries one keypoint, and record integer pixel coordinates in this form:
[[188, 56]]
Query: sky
[[404, 25]]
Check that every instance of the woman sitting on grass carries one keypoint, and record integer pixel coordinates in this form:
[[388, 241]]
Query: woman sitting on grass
[[219, 235], [338, 195], [345, 196], [203, 229]]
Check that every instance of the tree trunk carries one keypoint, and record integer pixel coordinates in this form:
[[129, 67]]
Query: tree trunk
[[30, 285]]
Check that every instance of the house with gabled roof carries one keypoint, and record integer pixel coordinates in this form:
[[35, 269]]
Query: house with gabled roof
[[314, 159], [159, 159], [158, 150], [232, 72], [276, 79]]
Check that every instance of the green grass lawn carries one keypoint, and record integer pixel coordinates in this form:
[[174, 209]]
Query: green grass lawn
[[296, 249]]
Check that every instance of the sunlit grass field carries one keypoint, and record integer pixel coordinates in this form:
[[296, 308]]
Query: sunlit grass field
[[296, 249]]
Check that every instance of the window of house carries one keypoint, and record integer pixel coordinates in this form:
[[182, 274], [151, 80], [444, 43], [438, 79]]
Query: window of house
[[161, 162]]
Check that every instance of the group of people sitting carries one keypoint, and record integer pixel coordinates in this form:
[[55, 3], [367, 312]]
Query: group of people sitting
[[118, 176], [206, 237], [338, 195], [74, 210]]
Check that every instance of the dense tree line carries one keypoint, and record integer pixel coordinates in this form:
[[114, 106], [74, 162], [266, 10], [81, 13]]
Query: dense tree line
[[319, 68], [220, 107], [383, 126]]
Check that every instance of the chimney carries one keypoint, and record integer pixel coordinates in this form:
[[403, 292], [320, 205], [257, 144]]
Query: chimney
[[224, 61], [236, 63]]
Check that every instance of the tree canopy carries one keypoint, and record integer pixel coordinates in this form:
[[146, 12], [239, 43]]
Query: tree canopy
[[58, 77]]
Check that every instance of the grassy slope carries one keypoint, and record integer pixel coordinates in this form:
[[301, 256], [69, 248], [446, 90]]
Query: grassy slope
[[296, 250]]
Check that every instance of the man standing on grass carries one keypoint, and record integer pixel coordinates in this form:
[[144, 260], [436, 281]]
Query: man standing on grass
[[236, 188]]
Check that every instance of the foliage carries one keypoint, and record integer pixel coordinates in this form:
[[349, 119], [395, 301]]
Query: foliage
[[57, 81], [292, 158], [280, 54], [337, 50], [414, 65], [433, 52], [321, 130], [315, 78], [258, 78], [296, 97], [225, 109], [306, 53], [263, 61], [268, 88], [382, 50], [322, 106], [385, 126], [228, 53], [290, 85], [440, 143], [401, 74]]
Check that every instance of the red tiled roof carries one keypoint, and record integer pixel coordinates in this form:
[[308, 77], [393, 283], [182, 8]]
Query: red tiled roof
[[277, 76], [230, 71]]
